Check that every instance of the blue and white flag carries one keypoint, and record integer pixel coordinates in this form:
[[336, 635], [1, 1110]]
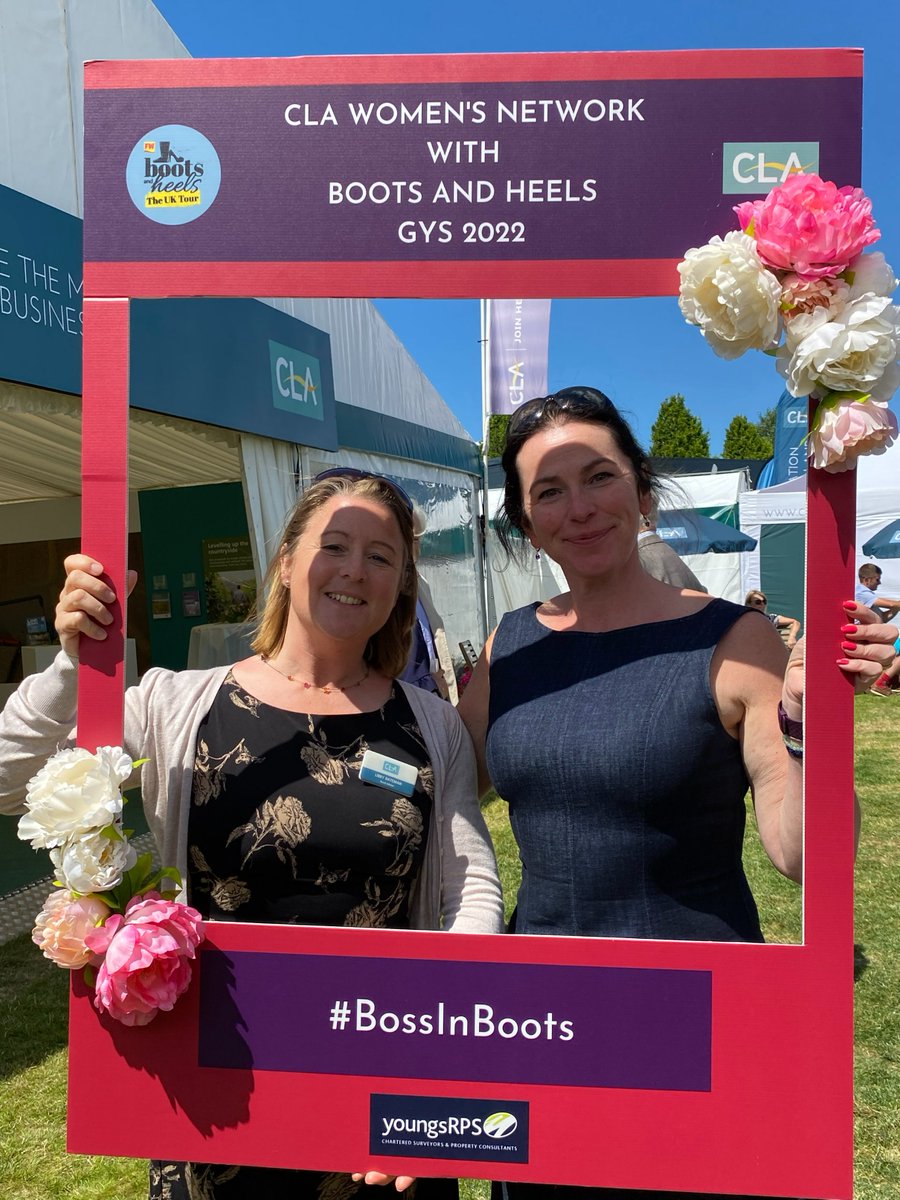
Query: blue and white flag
[[518, 339], [791, 419]]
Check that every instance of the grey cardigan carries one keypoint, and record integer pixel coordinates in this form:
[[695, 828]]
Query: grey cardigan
[[458, 886]]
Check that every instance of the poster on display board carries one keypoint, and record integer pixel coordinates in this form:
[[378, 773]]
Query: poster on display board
[[581, 1061]]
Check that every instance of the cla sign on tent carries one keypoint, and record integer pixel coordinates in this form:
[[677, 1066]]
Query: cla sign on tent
[[324, 1048]]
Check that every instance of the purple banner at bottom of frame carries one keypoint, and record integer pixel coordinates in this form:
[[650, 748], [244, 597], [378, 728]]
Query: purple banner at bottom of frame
[[572, 1026]]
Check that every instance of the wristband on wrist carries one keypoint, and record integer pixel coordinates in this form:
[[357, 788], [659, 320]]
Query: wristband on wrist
[[791, 731]]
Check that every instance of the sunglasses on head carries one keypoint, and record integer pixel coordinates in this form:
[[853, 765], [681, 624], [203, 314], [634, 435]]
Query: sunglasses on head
[[356, 473], [576, 401]]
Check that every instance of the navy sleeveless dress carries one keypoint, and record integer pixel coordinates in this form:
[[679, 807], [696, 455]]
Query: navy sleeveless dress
[[625, 793]]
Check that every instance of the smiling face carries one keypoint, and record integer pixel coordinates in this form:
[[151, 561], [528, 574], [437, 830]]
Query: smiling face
[[345, 571], [582, 504]]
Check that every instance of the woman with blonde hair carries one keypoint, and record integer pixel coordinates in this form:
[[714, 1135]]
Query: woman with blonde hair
[[252, 786], [788, 627]]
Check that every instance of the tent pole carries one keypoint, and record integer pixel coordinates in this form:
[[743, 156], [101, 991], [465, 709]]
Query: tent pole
[[490, 612]]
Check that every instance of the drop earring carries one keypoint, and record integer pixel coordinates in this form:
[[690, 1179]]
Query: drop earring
[[537, 554]]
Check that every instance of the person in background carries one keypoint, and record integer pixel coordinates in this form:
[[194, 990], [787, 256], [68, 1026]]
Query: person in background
[[660, 560], [624, 720], [756, 599], [252, 784], [869, 582], [888, 682], [430, 664]]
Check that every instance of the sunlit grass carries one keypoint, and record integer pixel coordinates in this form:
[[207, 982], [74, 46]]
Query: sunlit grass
[[34, 1165]]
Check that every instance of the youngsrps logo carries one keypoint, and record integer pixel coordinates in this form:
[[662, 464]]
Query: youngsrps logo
[[173, 174], [500, 1125], [757, 167], [449, 1127]]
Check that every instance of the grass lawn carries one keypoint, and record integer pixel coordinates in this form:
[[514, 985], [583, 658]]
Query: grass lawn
[[33, 1162]]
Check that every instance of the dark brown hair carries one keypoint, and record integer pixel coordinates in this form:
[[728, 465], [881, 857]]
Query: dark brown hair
[[571, 404]]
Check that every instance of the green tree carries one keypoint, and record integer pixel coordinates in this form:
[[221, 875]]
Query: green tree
[[497, 426], [744, 440], [765, 423], [677, 433]]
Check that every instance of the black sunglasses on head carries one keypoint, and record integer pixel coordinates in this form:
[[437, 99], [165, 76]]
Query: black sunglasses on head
[[576, 401], [356, 473]]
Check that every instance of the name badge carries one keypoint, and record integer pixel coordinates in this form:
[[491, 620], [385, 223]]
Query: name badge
[[388, 773]]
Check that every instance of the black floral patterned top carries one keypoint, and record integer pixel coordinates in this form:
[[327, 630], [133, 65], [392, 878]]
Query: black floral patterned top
[[282, 829]]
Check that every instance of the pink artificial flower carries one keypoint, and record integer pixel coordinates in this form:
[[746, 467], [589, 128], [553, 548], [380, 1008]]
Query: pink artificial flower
[[845, 429], [810, 226], [147, 958], [808, 297], [63, 925]]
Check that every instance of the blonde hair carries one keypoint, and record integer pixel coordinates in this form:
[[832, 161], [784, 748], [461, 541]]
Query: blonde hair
[[755, 595], [388, 649]]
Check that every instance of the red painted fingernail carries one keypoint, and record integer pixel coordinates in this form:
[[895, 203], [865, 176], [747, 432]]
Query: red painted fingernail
[[848, 646], [849, 628], [842, 662], [848, 604]]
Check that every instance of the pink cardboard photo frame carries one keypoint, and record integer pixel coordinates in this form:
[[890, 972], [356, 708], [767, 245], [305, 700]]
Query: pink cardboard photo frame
[[670, 1065]]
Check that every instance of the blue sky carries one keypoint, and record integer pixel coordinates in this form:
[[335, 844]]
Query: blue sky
[[637, 351]]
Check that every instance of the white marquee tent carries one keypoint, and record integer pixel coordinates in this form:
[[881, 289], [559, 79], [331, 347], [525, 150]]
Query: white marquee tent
[[782, 508], [43, 46]]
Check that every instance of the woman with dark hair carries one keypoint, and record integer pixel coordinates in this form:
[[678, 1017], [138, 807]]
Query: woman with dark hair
[[252, 782], [624, 720]]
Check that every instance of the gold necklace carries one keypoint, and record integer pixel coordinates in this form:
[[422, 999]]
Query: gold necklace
[[327, 689]]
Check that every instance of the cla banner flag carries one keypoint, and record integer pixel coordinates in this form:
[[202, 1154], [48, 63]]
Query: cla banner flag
[[789, 459], [518, 333]]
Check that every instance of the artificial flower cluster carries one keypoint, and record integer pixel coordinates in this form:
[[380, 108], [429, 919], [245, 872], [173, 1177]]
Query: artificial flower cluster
[[795, 282], [111, 914]]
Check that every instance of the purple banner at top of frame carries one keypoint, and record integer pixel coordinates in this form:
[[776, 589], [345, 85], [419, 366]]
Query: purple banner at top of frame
[[514, 171], [518, 338]]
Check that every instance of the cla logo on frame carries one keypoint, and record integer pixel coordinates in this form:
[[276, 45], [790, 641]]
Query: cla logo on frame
[[757, 167]]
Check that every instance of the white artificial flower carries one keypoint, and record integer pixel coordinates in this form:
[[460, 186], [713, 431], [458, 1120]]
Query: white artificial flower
[[73, 792], [854, 352], [809, 303], [871, 273], [727, 291], [92, 862]]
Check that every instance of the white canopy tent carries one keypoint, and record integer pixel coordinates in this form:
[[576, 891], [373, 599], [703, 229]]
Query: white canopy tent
[[877, 504], [715, 494], [42, 51]]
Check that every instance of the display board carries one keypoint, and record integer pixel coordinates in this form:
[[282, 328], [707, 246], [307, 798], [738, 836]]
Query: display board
[[670, 1065]]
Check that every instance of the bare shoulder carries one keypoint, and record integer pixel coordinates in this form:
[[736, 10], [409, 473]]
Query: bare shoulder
[[747, 667]]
